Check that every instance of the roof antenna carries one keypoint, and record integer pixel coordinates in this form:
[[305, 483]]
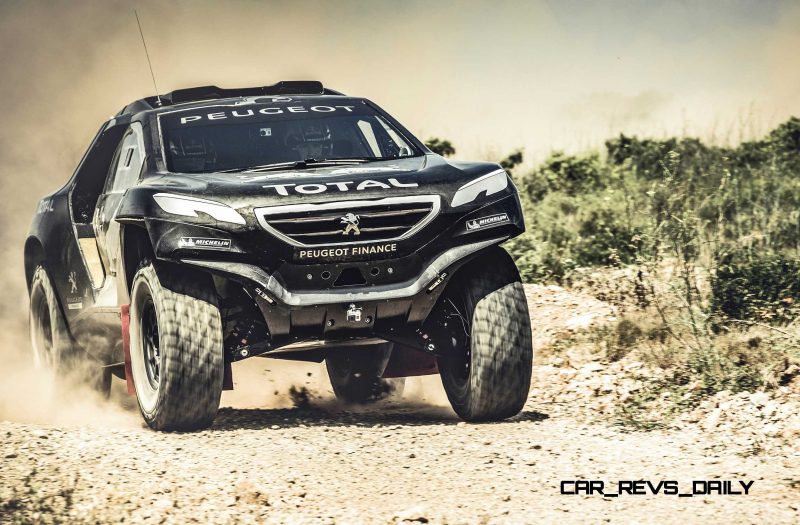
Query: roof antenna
[[158, 97]]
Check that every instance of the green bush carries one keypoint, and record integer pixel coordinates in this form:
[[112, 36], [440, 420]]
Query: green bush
[[648, 199], [573, 174], [606, 239], [753, 285], [739, 361]]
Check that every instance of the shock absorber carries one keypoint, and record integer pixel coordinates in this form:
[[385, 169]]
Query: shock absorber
[[248, 337]]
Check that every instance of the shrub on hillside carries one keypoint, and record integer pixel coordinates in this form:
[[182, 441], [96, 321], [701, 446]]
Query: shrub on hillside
[[572, 174], [784, 144], [759, 286], [647, 156], [606, 239]]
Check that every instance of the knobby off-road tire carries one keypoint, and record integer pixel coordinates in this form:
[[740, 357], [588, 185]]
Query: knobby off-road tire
[[176, 349], [355, 373], [489, 376], [54, 350]]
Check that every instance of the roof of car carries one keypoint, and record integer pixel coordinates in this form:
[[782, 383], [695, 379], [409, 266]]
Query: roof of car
[[203, 94]]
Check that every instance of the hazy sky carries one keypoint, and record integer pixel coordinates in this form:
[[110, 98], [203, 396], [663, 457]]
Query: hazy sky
[[487, 75], [490, 76]]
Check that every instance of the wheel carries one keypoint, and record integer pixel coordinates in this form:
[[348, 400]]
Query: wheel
[[355, 373], [53, 346], [486, 372], [176, 349]]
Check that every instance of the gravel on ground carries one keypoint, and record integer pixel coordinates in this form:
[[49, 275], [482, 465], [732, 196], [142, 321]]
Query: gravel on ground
[[400, 461]]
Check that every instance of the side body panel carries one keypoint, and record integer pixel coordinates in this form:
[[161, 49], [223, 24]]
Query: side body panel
[[63, 226]]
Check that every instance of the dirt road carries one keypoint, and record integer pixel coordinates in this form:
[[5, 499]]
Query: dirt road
[[407, 460]]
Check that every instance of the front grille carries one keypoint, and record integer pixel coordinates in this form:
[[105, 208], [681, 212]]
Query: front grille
[[387, 219]]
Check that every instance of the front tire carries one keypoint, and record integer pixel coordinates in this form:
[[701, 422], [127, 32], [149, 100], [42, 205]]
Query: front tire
[[355, 374], [487, 372], [176, 350]]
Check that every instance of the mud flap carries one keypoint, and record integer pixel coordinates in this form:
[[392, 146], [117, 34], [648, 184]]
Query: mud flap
[[125, 317], [227, 377]]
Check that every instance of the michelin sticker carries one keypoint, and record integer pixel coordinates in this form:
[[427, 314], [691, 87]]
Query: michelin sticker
[[204, 243], [487, 222]]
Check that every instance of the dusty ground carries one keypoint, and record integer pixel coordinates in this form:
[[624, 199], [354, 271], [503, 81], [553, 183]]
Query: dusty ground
[[408, 459]]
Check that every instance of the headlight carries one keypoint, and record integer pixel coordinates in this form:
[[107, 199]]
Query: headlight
[[490, 183], [189, 206]]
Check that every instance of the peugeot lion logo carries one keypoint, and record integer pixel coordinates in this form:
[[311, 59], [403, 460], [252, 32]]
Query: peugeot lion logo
[[351, 224]]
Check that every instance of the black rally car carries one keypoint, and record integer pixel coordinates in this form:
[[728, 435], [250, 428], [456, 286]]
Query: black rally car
[[211, 225]]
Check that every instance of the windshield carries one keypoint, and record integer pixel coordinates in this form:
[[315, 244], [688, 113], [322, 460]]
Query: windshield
[[246, 136]]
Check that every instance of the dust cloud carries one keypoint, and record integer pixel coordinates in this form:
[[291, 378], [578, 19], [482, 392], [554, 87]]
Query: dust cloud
[[67, 68], [42, 135], [34, 395]]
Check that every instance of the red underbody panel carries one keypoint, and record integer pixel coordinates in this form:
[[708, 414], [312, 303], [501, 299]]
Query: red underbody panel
[[125, 317], [407, 362]]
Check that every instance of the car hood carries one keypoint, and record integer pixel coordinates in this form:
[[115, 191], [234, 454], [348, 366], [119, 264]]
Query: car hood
[[208, 207], [424, 175]]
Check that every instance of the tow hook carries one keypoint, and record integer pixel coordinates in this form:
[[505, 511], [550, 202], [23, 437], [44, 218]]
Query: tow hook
[[354, 314], [427, 343]]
